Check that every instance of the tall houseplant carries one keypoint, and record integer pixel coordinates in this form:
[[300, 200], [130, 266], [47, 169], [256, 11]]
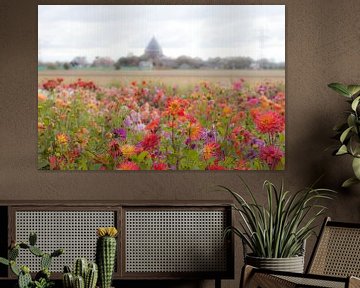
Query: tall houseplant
[[276, 233], [349, 132]]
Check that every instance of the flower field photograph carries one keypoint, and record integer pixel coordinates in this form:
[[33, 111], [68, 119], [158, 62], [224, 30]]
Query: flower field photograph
[[161, 87]]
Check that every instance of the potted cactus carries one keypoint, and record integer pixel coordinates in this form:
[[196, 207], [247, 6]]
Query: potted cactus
[[84, 275], [42, 278], [106, 254]]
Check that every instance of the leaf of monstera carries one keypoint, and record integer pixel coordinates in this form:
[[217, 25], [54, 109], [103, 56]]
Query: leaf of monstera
[[356, 167], [350, 181], [340, 88]]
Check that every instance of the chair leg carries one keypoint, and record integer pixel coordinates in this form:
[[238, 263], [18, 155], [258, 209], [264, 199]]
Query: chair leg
[[217, 283]]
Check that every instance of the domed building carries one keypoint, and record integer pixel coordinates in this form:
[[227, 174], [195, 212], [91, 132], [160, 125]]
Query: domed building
[[153, 49]]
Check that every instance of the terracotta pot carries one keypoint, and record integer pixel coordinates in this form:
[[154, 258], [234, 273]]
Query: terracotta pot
[[291, 264]]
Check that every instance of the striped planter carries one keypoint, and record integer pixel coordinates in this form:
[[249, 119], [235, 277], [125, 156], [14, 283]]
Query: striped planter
[[291, 264]]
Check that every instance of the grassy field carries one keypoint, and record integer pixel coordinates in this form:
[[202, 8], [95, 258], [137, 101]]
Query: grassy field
[[171, 77]]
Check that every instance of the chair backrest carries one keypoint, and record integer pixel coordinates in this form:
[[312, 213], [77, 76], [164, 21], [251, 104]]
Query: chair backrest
[[337, 251]]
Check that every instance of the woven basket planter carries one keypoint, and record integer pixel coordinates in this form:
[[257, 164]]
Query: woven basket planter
[[291, 264]]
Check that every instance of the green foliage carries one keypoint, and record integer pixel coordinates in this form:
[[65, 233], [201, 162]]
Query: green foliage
[[42, 283], [42, 278], [279, 229], [349, 131]]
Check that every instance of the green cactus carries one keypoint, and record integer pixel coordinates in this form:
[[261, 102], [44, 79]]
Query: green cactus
[[67, 269], [105, 255], [91, 276], [24, 245], [32, 238], [80, 267], [45, 261], [13, 253], [36, 251], [79, 282], [14, 268], [42, 278], [24, 280], [57, 252], [87, 272], [68, 280]]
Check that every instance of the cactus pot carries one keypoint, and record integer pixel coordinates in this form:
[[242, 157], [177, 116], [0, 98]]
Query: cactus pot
[[291, 264]]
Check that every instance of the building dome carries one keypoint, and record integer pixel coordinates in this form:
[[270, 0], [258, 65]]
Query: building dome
[[153, 49]]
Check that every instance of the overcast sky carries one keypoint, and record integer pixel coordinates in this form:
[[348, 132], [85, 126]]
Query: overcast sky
[[204, 31]]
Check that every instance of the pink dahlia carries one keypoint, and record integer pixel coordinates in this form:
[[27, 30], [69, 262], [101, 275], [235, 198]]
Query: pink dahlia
[[271, 155]]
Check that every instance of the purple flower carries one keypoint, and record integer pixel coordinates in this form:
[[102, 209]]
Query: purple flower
[[140, 127], [128, 122], [251, 154], [262, 88], [257, 143], [208, 136], [190, 144], [120, 133]]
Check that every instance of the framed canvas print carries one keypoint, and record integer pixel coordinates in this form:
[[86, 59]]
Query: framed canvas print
[[161, 87]]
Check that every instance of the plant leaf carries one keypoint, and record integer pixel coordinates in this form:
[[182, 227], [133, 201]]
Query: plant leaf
[[349, 182], [4, 261], [356, 167], [355, 103], [340, 88], [353, 89], [345, 134], [342, 150]]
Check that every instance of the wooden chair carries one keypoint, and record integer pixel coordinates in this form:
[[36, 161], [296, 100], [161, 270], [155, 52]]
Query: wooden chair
[[335, 262]]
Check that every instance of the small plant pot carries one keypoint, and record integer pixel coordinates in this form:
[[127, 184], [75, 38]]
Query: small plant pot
[[291, 264]]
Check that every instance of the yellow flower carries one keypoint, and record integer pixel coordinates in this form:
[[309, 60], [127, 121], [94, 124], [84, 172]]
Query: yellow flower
[[128, 150], [107, 231]]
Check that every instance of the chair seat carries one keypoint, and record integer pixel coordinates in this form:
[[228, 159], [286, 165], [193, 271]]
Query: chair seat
[[335, 262], [268, 279], [314, 282]]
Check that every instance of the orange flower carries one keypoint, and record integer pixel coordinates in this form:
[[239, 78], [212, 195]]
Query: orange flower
[[62, 138], [270, 122], [242, 165], [194, 131], [227, 111], [127, 165], [176, 107], [42, 97], [153, 125], [211, 150]]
